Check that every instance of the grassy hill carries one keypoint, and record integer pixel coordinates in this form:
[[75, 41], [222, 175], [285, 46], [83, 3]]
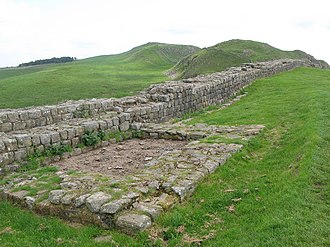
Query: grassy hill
[[232, 53], [96, 77], [129, 72]]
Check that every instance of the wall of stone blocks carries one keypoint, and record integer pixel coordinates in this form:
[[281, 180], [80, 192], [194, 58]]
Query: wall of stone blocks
[[22, 131]]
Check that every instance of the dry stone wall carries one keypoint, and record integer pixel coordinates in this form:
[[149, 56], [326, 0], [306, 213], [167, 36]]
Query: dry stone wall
[[23, 131]]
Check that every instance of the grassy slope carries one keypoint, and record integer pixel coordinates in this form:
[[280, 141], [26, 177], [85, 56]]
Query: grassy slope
[[232, 53], [282, 177], [97, 77]]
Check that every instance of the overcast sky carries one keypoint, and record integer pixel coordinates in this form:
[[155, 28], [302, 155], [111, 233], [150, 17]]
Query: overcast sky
[[38, 29]]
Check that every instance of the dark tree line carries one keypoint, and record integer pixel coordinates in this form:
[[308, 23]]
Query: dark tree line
[[50, 60]]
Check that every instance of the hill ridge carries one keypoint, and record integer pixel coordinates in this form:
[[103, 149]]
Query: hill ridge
[[232, 53]]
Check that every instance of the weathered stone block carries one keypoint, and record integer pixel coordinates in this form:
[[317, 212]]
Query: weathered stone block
[[55, 137], [95, 201], [115, 121], [150, 209], [131, 223], [13, 116], [6, 127], [115, 206], [136, 126], [55, 196], [19, 126], [75, 141], [34, 114], [45, 139], [20, 154], [23, 115], [124, 126], [90, 125], [79, 201], [23, 140]]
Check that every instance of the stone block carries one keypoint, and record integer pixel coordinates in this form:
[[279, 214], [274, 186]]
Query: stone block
[[34, 114], [41, 121], [115, 206], [90, 125], [30, 123], [95, 201], [75, 141], [6, 127], [150, 209], [131, 223], [124, 126], [55, 137], [115, 121], [63, 134], [71, 133], [13, 116], [103, 125], [79, 201], [55, 196], [23, 140], [136, 126], [19, 126], [45, 139], [79, 130], [23, 115]]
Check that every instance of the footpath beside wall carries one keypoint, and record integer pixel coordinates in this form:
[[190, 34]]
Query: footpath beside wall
[[23, 131]]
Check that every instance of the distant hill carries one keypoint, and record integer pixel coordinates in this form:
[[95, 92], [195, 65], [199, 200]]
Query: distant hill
[[96, 77], [233, 53]]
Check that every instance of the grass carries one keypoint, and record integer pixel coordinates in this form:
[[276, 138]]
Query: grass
[[275, 192], [232, 53], [98, 77]]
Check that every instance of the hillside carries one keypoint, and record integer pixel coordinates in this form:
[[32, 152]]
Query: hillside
[[233, 53], [102, 76], [129, 72]]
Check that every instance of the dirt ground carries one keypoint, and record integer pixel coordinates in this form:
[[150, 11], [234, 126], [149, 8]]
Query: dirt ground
[[120, 159]]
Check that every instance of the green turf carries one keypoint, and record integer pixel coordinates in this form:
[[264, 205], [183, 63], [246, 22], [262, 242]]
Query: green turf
[[233, 53], [97, 77], [281, 176]]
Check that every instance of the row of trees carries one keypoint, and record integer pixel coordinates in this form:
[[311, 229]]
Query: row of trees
[[50, 60]]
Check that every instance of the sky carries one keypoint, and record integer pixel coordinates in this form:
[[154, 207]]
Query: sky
[[40, 29]]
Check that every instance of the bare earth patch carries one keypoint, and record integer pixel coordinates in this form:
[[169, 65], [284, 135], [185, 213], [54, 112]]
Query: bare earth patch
[[120, 159]]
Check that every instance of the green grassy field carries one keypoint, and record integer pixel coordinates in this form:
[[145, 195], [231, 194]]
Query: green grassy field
[[277, 188], [98, 77]]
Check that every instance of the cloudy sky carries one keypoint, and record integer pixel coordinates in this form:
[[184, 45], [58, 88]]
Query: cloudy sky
[[37, 29]]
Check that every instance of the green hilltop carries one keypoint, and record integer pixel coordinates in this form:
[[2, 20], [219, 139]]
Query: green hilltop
[[129, 72], [233, 53]]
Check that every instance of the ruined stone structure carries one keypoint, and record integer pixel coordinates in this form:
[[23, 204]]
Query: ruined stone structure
[[22, 131], [140, 198]]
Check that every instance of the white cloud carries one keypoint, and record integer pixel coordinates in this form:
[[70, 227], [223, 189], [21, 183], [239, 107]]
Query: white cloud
[[34, 29]]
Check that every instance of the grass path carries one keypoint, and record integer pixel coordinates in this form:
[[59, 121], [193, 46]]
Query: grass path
[[275, 192]]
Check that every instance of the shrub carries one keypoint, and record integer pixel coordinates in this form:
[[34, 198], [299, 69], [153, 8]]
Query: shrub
[[90, 138]]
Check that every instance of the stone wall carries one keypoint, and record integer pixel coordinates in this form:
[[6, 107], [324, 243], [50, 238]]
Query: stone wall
[[22, 131]]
